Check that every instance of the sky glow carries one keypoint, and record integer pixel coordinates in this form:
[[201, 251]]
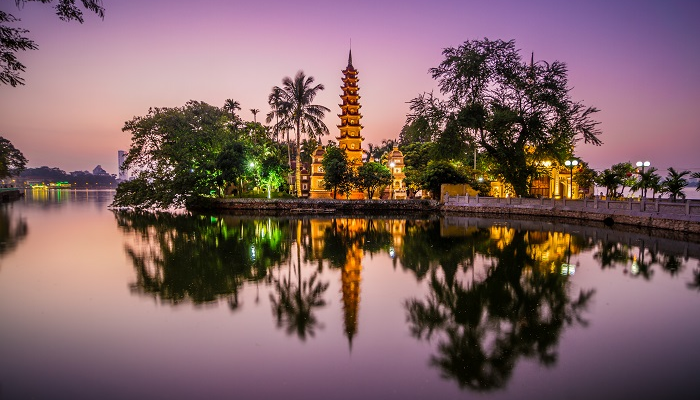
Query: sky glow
[[637, 61]]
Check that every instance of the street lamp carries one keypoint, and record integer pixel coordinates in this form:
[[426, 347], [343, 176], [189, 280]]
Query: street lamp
[[644, 183], [571, 164]]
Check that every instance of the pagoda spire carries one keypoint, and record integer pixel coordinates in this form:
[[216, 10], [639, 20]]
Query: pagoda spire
[[350, 138]]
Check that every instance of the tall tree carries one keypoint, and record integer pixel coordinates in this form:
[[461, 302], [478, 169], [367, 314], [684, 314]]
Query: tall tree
[[696, 175], [255, 112], [13, 39], [648, 179], [372, 176], [12, 161], [517, 112], [306, 117], [610, 180], [337, 171], [174, 150], [674, 184], [276, 102]]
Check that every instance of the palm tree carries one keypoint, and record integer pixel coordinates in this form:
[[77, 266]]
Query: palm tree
[[232, 106], [610, 180], [675, 183], [306, 117], [647, 180], [696, 175], [255, 112], [279, 110]]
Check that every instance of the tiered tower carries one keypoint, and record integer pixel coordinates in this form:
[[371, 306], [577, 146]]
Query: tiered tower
[[350, 136]]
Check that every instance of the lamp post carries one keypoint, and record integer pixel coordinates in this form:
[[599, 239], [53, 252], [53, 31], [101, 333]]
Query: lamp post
[[644, 183], [571, 164]]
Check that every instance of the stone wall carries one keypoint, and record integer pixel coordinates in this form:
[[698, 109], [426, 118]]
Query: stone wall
[[677, 216], [320, 206]]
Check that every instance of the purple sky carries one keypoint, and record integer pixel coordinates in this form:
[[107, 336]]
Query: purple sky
[[638, 61]]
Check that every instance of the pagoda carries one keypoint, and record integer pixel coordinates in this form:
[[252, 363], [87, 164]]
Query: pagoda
[[350, 138]]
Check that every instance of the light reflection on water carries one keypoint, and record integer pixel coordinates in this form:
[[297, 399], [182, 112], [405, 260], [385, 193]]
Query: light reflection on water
[[111, 304]]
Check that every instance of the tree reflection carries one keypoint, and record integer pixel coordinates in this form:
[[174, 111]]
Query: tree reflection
[[695, 283], [201, 259], [13, 229], [294, 303], [518, 309]]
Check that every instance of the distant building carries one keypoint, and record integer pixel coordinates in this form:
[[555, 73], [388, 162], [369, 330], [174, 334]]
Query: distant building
[[98, 170], [123, 174]]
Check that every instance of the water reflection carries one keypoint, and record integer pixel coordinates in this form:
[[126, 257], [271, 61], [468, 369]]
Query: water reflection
[[198, 258], [13, 229], [493, 293], [516, 306]]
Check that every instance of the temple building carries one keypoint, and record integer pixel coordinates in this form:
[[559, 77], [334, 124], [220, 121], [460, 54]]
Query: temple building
[[350, 140], [556, 181]]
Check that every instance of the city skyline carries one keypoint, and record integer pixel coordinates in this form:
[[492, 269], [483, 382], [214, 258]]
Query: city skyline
[[635, 61]]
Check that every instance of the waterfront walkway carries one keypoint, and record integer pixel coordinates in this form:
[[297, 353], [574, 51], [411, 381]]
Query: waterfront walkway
[[682, 216]]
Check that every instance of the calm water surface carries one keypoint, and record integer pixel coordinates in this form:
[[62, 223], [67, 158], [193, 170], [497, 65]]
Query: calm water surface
[[101, 304]]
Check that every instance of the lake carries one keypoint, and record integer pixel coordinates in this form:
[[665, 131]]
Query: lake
[[96, 303]]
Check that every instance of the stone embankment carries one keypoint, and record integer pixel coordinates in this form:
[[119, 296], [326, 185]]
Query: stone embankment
[[679, 216], [9, 194], [320, 206]]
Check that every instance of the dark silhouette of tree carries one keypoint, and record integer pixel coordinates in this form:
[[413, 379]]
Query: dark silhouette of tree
[[294, 304], [12, 161], [674, 184], [13, 40], [517, 112], [13, 229], [695, 283], [484, 327]]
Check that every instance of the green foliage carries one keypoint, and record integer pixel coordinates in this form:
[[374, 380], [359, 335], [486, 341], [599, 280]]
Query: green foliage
[[175, 151], [231, 161], [610, 181], [273, 172], [439, 172], [585, 176], [338, 175], [12, 161], [515, 111], [417, 130], [372, 177], [626, 173], [674, 184], [13, 39], [648, 179]]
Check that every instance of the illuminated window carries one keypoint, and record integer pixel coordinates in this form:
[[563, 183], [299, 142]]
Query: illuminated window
[[303, 187]]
